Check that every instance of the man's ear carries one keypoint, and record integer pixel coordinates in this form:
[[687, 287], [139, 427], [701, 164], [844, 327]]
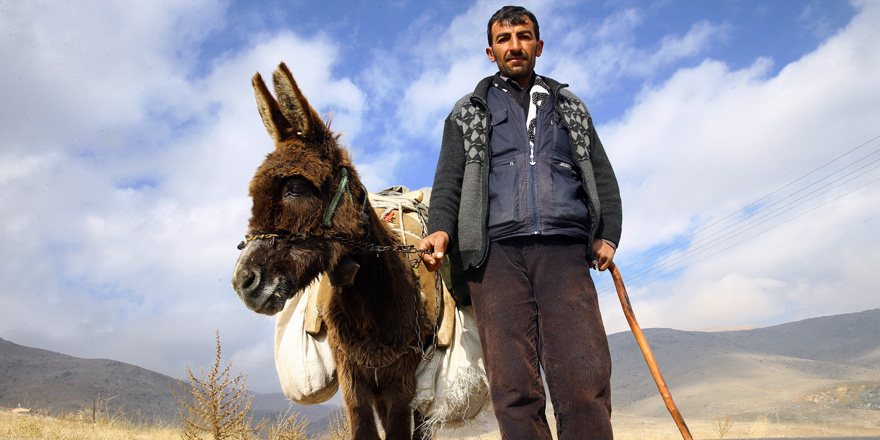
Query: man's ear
[[540, 48], [491, 54]]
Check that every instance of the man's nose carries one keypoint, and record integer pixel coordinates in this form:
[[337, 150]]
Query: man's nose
[[515, 44]]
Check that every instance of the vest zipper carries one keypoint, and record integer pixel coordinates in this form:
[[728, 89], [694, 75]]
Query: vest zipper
[[533, 190]]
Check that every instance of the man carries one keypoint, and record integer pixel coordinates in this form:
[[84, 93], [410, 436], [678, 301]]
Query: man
[[526, 198]]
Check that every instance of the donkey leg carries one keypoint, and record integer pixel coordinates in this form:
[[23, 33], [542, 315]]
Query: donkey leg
[[358, 400], [398, 396], [399, 423], [387, 411], [382, 409]]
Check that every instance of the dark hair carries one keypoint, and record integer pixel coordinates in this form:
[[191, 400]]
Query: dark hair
[[512, 15]]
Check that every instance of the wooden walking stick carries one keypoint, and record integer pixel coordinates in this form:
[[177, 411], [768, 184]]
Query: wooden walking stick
[[646, 351]]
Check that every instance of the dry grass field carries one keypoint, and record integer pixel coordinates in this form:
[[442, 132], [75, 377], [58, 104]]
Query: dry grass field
[[75, 427], [630, 427], [812, 378], [626, 427]]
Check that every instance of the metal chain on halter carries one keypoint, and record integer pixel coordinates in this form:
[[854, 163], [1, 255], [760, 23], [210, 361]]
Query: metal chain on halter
[[367, 247], [362, 246], [427, 354]]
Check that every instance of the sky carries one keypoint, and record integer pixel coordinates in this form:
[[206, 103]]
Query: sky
[[744, 135]]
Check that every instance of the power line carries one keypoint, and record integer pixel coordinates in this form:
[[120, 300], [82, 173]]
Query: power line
[[603, 294], [659, 267], [743, 222], [704, 244], [759, 200], [647, 279]]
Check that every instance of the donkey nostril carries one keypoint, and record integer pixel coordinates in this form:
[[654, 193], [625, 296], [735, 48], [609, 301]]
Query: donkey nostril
[[249, 281], [246, 280]]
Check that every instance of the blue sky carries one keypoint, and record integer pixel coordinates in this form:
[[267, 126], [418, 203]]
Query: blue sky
[[130, 133]]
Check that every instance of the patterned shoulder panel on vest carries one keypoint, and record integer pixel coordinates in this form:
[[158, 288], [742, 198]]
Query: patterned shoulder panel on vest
[[577, 118], [474, 125]]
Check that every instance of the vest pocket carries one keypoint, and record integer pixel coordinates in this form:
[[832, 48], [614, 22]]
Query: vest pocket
[[561, 144], [569, 197], [504, 138], [503, 184]]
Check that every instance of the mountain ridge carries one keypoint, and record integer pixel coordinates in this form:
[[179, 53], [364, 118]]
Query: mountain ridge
[[818, 368], [58, 383], [767, 370]]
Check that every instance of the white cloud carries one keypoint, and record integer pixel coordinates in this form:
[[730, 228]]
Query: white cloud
[[710, 140], [446, 60], [601, 54], [71, 79], [134, 171], [675, 48], [427, 100], [820, 264]]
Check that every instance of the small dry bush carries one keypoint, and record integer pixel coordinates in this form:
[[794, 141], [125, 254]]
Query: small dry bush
[[340, 429], [760, 428], [722, 423], [216, 405], [288, 427]]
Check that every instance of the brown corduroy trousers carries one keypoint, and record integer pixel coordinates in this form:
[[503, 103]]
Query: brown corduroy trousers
[[536, 306]]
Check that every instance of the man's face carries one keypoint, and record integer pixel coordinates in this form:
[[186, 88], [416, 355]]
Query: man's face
[[514, 49]]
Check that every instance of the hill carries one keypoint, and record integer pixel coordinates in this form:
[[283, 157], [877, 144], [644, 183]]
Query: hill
[[56, 382], [44, 379], [817, 370]]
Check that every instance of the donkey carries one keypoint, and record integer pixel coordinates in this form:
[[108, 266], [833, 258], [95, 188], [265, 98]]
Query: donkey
[[311, 215]]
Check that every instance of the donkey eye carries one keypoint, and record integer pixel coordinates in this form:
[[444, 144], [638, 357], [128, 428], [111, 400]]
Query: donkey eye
[[297, 187]]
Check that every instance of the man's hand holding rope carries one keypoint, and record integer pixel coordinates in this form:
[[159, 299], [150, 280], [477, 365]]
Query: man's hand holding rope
[[435, 247]]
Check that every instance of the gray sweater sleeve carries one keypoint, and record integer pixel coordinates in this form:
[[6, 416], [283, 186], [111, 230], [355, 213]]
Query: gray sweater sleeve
[[611, 217], [446, 191]]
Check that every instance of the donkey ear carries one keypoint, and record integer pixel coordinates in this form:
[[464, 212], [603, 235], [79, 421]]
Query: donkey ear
[[278, 126], [295, 107]]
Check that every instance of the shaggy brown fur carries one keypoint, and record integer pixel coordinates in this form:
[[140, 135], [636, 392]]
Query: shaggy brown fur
[[372, 323]]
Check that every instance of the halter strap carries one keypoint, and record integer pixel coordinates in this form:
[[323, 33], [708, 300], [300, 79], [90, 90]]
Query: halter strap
[[334, 203], [328, 216]]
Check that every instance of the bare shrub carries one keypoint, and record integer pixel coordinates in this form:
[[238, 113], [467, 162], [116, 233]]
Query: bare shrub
[[217, 405], [760, 428], [97, 412], [722, 424], [288, 427], [340, 428]]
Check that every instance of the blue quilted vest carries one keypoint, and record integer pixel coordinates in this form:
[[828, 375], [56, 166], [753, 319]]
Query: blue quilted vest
[[532, 190]]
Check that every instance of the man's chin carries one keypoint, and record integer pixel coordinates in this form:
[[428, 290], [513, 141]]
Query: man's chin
[[517, 74]]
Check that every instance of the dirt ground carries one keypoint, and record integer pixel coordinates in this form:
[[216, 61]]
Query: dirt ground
[[630, 427]]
